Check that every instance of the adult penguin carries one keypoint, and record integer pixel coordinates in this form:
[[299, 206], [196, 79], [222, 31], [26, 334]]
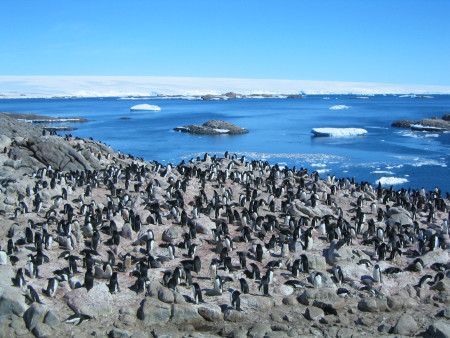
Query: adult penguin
[[114, 283], [244, 285], [235, 300], [259, 252], [88, 280], [377, 274], [52, 286], [197, 293], [264, 285]]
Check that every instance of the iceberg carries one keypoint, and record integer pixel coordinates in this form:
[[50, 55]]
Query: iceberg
[[339, 107], [338, 132], [145, 106], [391, 180]]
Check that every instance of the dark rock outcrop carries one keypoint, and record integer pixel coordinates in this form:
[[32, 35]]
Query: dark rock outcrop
[[428, 122], [213, 127]]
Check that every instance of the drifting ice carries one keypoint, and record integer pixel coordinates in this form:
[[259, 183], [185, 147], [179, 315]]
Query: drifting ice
[[338, 132], [340, 106], [391, 180], [145, 107]]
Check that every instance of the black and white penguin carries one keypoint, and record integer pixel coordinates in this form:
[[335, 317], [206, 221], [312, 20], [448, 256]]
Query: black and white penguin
[[295, 268], [264, 285], [52, 286], [377, 274], [244, 285], [77, 318], [213, 268], [423, 280], [32, 295], [197, 264], [218, 284], [235, 300], [259, 252], [19, 280], [191, 251], [317, 279], [227, 265], [338, 275], [242, 259], [269, 276], [114, 283], [304, 263], [89, 280], [196, 293]]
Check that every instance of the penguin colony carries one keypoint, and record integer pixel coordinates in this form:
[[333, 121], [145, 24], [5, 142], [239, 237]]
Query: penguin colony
[[247, 229]]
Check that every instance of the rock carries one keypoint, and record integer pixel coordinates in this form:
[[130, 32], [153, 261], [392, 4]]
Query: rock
[[316, 262], [166, 295], [399, 302], [373, 304], [337, 253], [213, 127], [314, 313], [97, 302], [436, 256], [127, 231], [210, 313], [290, 300], [171, 235], [231, 315], [406, 325], [259, 330], [257, 303], [153, 312], [33, 315], [12, 300], [115, 333], [165, 332], [439, 329], [51, 319], [184, 313], [42, 330], [3, 258]]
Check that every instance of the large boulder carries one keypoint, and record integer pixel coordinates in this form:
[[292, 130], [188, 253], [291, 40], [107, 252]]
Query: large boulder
[[154, 312]]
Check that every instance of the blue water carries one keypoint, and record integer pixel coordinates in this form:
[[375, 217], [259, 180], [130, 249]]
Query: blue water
[[280, 132]]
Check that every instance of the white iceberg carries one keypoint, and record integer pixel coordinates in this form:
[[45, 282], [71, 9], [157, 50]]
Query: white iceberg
[[339, 107], [145, 106], [338, 132], [391, 180]]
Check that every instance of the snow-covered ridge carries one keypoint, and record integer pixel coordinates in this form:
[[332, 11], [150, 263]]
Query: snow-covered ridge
[[338, 132], [145, 86]]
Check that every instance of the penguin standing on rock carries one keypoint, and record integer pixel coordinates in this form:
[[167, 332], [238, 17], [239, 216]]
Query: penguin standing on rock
[[89, 280], [377, 274], [197, 293], [235, 300]]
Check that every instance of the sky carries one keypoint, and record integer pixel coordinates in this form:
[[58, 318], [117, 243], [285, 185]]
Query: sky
[[401, 41]]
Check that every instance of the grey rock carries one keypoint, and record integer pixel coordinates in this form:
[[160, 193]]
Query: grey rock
[[115, 333], [314, 313], [127, 231], [51, 319], [98, 301], [172, 234], [11, 298], [42, 330], [33, 315], [166, 295], [259, 330], [165, 332], [373, 304], [231, 315], [439, 329], [153, 312], [210, 313], [184, 313], [406, 325]]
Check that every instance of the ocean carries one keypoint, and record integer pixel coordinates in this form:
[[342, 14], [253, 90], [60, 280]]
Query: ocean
[[279, 132]]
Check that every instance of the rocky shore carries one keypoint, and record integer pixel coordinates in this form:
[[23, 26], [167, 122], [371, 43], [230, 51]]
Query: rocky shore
[[83, 214], [433, 122]]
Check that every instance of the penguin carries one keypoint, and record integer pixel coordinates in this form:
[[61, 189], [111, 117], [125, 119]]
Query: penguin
[[269, 276], [423, 280], [32, 295], [317, 279], [171, 251], [377, 274], [19, 280], [88, 280], [295, 268], [78, 318], [197, 293], [227, 265], [259, 252], [213, 268], [338, 275], [343, 292], [244, 286], [52, 287], [242, 259], [235, 300], [114, 283], [218, 284], [264, 285], [191, 251]]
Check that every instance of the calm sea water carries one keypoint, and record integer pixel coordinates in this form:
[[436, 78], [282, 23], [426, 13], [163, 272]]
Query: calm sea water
[[280, 132]]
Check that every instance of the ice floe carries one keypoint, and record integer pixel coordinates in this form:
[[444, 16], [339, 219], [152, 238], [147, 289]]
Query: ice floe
[[338, 132], [340, 106], [145, 107], [391, 180]]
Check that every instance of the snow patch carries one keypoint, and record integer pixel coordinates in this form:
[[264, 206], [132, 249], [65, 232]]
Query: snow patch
[[222, 131]]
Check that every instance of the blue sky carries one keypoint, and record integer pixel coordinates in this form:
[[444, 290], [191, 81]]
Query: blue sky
[[406, 42]]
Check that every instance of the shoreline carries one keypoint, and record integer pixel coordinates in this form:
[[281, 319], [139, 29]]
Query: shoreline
[[118, 188]]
